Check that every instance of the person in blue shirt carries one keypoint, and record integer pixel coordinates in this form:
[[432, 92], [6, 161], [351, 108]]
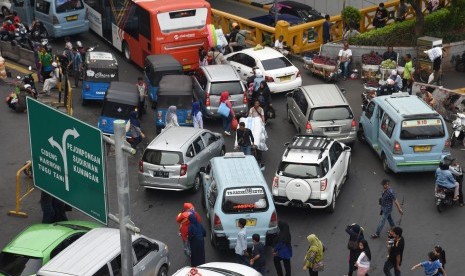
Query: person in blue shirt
[[326, 29], [433, 266], [444, 178], [282, 250]]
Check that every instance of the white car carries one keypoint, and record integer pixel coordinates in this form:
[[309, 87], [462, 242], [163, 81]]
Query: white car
[[5, 6], [280, 74], [311, 173], [218, 269]]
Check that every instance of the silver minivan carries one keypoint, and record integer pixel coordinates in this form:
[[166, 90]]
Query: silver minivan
[[174, 159], [211, 80], [322, 110]]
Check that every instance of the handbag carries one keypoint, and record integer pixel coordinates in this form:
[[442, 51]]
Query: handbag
[[319, 266], [234, 124], [223, 110]]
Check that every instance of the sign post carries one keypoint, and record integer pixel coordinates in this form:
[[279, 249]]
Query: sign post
[[67, 159]]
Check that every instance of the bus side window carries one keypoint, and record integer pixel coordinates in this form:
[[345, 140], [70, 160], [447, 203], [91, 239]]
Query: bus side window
[[144, 24], [132, 23]]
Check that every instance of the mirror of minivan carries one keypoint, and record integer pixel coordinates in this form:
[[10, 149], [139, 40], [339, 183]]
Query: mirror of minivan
[[289, 94], [347, 148], [286, 144], [343, 90]]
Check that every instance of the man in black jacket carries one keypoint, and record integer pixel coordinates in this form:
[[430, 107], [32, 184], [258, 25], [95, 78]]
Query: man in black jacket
[[244, 139]]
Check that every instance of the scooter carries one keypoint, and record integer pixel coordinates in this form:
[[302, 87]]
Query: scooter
[[444, 198], [458, 129], [22, 38]]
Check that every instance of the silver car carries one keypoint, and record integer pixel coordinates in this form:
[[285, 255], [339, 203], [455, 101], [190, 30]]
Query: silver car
[[173, 160], [210, 81], [322, 110]]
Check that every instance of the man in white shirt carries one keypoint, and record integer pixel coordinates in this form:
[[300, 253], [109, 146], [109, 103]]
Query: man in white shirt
[[241, 243], [280, 46], [345, 56]]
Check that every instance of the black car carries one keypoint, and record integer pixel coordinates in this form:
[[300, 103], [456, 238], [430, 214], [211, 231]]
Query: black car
[[307, 13]]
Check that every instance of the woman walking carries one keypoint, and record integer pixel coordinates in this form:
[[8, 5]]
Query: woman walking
[[196, 241], [364, 259], [136, 134], [171, 119], [224, 98], [314, 257], [282, 250], [197, 115], [355, 236]]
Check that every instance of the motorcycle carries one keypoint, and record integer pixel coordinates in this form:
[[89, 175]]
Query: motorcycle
[[445, 196], [458, 129], [22, 38], [460, 63]]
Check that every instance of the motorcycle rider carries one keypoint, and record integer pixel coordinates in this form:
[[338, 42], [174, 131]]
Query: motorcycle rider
[[8, 29], [445, 178], [386, 89], [457, 172], [397, 80]]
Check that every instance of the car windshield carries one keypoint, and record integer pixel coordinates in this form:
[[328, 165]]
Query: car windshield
[[117, 110], [233, 87], [68, 5], [422, 129], [244, 199], [331, 113], [276, 63], [162, 158], [180, 101], [17, 265], [298, 170]]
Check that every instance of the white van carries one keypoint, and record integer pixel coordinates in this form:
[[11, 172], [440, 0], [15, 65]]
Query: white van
[[98, 253]]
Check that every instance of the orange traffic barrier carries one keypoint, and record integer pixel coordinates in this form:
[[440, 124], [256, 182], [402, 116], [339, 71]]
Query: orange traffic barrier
[[19, 198]]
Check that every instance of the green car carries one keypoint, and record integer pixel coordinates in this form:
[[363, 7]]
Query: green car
[[37, 244]]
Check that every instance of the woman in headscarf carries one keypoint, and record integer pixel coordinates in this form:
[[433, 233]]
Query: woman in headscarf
[[355, 236], [314, 256], [263, 96], [282, 250], [196, 241], [197, 115], [224, 98], [171, 119], [133, 127]]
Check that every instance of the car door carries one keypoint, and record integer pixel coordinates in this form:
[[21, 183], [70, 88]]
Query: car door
[[201, 156], [368, 122], [145, 262], [337, 162], [302, 112], [212, 147], [386, 144], [211, 197], [200, 84], [241, 62]]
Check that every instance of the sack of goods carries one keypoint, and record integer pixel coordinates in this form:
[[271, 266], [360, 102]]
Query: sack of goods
[[258, 130], [434, 53]]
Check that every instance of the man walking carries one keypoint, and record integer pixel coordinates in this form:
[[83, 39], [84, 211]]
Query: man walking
[[77, 66], [244, 139], [395, 245], [241, 243], [386, 201], [407, 77]]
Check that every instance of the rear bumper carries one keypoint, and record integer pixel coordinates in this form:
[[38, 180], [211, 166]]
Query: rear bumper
[[346, 139], [225, 242], [399, 164], [285, 86], [159, 183], [311, 203], [60, 31], [209, 113]]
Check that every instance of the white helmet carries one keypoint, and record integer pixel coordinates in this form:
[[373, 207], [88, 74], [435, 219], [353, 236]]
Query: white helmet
[[394, 72], [79, 44], [258, 73]]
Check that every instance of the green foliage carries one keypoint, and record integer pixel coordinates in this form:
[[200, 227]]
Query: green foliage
[[351, 16], [457, 14]]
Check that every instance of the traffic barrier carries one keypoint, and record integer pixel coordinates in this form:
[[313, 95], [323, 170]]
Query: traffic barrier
[[26, 57], [19, 198], [9, 51], [309, 36]]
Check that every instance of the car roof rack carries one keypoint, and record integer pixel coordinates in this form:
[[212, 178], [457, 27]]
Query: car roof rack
[[309, 142]]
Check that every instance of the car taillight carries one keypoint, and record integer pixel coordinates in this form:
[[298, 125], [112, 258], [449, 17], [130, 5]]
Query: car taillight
[[141, 166], [308, 128], [244, 100], [55, 20], [298, 74], [269, 79], [397, 148], [183, 170], [87, 87], [207, 99], [159, 115], [275, 182], [217, 223], [323, 184], [446, 146], [273, 220], [354, 124]]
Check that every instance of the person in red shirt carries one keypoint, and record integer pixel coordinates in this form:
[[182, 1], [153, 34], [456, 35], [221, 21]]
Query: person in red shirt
[[183, 220], [8, 27]]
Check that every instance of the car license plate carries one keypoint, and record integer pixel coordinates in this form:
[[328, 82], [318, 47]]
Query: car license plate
[[161, 174], [250, 222], [286, 78], [186, 67], [331, 128], [422, 148], [72, 18]]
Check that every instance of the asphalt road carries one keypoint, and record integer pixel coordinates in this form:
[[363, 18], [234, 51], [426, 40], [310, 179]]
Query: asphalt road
[[154, 211]]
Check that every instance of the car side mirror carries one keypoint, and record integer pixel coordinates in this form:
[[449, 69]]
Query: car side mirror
[[343, 90], [286, 144], [289, 94], [346, 148]]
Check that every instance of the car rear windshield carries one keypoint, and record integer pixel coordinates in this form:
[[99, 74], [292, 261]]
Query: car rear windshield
[[298, 170], [276, 63], [331, 113], [180, 101], [117, 110], [162, 158], [17, 265], [244, 199], [422, 129], [233, 87], [68, 5]]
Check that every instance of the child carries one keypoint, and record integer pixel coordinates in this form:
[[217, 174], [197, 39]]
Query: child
[[432, 267], [258, 254], [441, 255]]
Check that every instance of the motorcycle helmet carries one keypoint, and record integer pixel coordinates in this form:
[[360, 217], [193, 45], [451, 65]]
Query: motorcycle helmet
[[445, 162], [79, 44]]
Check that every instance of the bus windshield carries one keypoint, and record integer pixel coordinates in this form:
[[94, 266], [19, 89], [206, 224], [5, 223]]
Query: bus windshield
[[182, 20], [63, 6]]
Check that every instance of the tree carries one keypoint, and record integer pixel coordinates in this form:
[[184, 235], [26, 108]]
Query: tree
[[419, 17]]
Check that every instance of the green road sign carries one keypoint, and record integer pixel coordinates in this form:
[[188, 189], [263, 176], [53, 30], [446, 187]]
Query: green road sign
[[67, 159]]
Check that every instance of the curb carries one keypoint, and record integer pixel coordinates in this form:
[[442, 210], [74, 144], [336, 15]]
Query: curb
[[256, 4]]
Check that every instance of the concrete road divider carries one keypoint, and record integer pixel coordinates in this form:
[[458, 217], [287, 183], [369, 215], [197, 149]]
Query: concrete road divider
[[9, 51]]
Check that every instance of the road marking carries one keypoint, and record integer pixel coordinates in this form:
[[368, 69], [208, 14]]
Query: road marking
[[20, 69]]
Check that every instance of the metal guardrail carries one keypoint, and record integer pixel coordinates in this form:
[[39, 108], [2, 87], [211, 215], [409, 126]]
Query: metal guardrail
[[309, 36], [19, 198]]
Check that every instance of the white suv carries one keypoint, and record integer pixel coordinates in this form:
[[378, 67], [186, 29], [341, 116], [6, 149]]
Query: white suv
[[311, 173]]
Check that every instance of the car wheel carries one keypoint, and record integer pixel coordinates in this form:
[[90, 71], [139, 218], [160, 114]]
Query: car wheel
[[223, 151], [163, 271], [385, 164], [332, 206], [361, 136], [5, 12], [197, 183], [126, 51], [289, 119]]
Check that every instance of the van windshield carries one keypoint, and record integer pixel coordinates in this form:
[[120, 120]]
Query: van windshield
[[162, 158], [244, 199], [422, 129], [233, 87], [331, 113], [117, 110], [296, 170], [68, 5]]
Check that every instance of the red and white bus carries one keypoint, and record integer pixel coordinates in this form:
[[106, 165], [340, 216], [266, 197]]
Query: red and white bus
[[140, 28]]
